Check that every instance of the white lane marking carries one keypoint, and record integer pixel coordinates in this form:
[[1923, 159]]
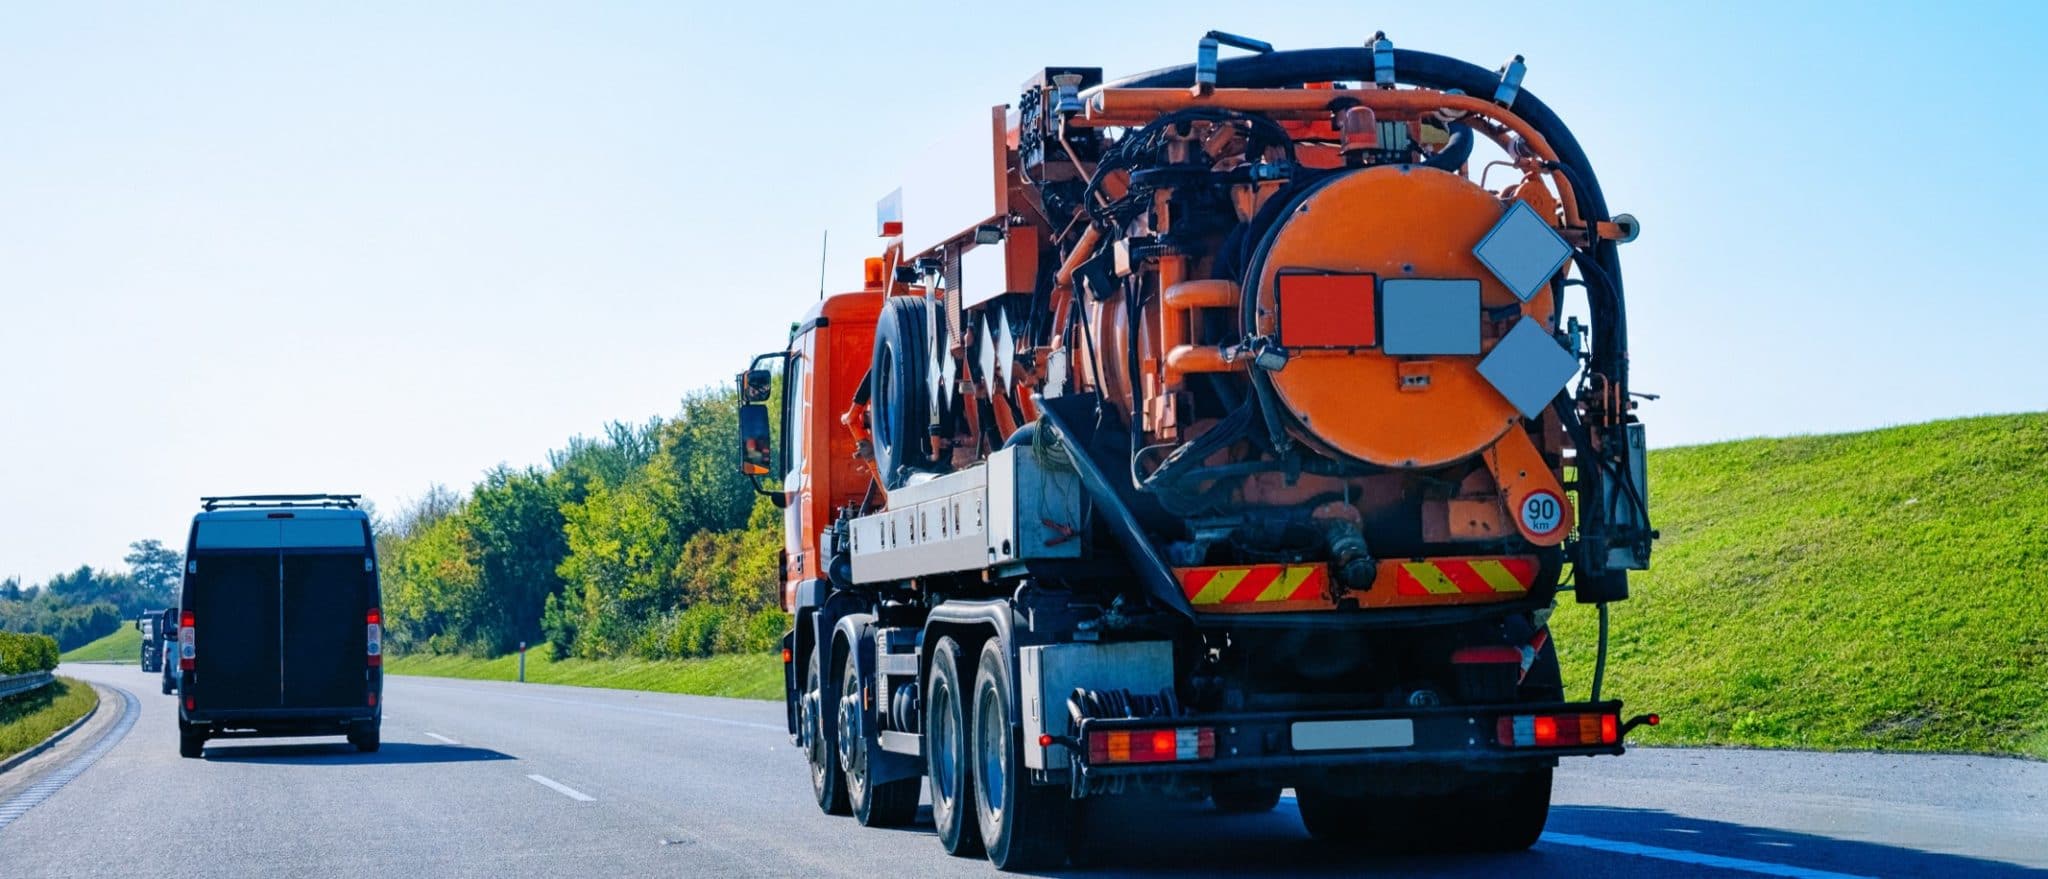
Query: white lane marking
[[1763, 868], [563, 789], [625, 708], [41, 790], [443, 738]]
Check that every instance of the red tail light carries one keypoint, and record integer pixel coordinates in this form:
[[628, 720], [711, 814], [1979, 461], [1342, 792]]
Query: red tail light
[[188, 643], [375, 642], [1557, 730], [1152, 745]]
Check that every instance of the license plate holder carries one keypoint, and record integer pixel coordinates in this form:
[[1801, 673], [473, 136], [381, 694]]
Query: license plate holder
[[1353, 735]]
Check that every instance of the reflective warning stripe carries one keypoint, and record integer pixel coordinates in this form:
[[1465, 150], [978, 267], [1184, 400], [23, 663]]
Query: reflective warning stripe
[[1481, 576], [1253, 584]]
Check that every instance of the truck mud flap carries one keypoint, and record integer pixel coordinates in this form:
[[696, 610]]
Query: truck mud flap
[[1067, 417]]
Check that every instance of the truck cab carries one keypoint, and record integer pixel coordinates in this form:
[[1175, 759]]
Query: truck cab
[[151, 652], [279, 622]]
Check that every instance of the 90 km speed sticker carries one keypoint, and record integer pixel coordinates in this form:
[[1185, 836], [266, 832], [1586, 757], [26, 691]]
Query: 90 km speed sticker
[[1542, 512]]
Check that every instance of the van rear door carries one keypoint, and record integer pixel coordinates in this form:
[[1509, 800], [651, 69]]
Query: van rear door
[[325, 599], [232, 593], [280, 605]]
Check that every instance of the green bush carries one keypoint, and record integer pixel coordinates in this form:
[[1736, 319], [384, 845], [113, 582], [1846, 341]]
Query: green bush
[[21, 653]]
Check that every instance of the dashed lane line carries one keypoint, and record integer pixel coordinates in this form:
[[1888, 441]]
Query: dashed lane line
[[442, 738], [562, 789]]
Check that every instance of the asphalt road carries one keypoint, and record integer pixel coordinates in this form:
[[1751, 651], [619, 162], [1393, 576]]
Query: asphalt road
[[493, 779]]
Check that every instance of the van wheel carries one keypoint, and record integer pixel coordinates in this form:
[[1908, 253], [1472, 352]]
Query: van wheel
[[883, 804], [367, 737], [1024, 825], [191, 742], [828, 783], [946, 754]]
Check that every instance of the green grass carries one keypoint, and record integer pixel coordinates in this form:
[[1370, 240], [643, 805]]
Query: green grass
[[1880, 590], [1873, 590], [746, 676], [125, 645], [26, 720]]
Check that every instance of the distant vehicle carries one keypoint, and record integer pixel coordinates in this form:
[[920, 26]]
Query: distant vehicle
[[284, 590], [151, 653], [167, 649]]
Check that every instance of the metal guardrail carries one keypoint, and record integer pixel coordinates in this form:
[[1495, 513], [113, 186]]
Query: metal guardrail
[[15, 685]]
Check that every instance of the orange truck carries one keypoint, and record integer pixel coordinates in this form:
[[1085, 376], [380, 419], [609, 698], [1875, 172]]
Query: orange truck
[[1231, 436]]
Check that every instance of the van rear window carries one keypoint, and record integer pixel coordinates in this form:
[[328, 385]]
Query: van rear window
[[279, 534]]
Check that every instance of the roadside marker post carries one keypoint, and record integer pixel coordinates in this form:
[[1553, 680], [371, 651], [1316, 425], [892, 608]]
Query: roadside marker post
[[522, 662]]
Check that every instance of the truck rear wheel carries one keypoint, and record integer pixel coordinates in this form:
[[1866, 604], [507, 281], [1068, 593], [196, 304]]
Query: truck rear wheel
[[874, 804], [1516, 806], [946, 753], [828, 783], [1023, 825]]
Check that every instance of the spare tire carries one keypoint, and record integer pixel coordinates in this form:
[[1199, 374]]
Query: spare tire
[[899, 405]]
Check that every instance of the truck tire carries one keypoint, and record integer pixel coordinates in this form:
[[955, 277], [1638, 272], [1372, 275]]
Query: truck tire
[[191, 742], [1023, 825], [883, 804], [899, 402], [1245, 799], [946, 753], [828, 783], [367, 737]]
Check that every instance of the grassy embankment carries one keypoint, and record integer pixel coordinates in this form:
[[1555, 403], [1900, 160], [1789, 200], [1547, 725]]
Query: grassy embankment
[[26, 720], [746, 676], [1870, 590], [124, 645]]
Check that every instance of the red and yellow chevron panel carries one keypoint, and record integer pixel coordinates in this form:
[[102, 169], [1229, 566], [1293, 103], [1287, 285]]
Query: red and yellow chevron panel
[[1454, 580], [1470, 576], [1400, 583], [1256, 588]]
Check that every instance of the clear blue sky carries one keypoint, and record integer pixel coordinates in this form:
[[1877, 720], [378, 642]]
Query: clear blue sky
[[370, 247]]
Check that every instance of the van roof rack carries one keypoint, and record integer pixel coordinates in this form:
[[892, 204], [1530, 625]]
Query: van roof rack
[[338, 501]]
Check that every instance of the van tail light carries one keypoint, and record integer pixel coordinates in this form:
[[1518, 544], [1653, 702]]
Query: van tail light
[[1557, 730], [1151, 745], [188, 643], [375, 645]]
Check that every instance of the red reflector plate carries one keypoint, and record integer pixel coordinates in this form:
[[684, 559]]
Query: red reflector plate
[[1328, 311]]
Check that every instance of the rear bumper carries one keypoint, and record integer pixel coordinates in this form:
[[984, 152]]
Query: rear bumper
[[1265, 742], [279, 721]]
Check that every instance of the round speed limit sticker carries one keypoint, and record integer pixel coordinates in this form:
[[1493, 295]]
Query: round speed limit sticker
[[1542, 512]]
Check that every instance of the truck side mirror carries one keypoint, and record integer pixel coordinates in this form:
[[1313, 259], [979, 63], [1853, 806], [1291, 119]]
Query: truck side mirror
[[755, 385], [757, 458]]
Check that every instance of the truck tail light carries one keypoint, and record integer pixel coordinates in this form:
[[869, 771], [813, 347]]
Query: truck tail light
[[1173, 744], [188, 642], [375, 634], [1557, 730]]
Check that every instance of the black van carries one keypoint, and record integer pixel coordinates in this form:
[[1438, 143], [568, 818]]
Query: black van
[[280, 629]]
